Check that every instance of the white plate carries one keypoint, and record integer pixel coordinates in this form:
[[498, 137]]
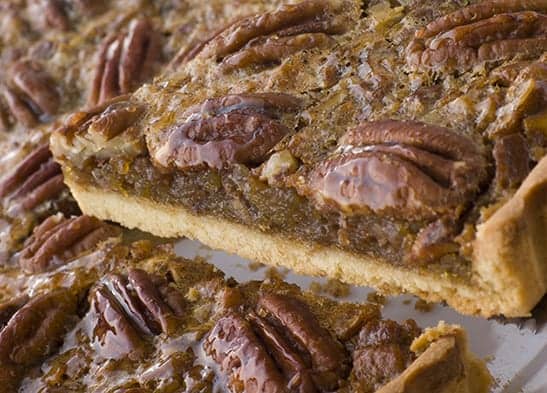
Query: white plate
[[516, 353]]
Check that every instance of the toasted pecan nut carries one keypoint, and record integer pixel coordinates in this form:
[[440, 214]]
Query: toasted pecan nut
[[291, 363], [399, 168], [33, 181], [235, 347], [151, 298], [34, 83], [270, 37], [58, 240], [130, 308], [36, 329], [484, 32], [125, 61], [55, 15], [105, 121], [282, 344], [239, 128], [383, 352], [17, 110], [113, 335], [30, 94], [329, 361]]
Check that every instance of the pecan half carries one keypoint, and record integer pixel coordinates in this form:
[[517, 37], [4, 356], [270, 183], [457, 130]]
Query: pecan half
[[30, 95], [55, 14], [399, 168], [281, 347], [240, 128], [47, 15], [130, 308], [113, 334], [270, 37], [58, 240], [235, 347], [329, 363], [488, 31], [36, 329], [33, 181], [383, 352], [125, 61]]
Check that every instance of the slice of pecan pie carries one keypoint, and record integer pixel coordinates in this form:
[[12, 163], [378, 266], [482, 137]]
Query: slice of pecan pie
[[395, 146], [97, 313]]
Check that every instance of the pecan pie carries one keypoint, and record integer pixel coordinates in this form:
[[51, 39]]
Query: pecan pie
[[96, 312], [395, 145]]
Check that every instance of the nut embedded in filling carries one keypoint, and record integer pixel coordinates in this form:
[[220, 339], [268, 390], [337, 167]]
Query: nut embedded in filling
[[239, 128], [489, 31], [125, 61], [35, 180], [34, 331], [57, 240], [126, 309], [270, 37], [399, 168], [280, 345], [29, 95]]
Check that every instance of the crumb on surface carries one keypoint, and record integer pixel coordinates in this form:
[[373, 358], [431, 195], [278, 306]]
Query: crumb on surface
[[377, 298], [422, 306]]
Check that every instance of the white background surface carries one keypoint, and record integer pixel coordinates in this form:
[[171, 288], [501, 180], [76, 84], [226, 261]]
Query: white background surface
[[516, 351]]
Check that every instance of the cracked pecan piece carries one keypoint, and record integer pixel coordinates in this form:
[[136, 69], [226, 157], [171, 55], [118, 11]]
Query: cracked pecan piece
[[125, 61], [383, 352], [37, 328], [29, 95], [270, 37], [35, 180], [58, 240], [104, 121], [488, 31], [525, 103], [281, 347], [108, 129], [130, 308], [240, 128], [399, 168]]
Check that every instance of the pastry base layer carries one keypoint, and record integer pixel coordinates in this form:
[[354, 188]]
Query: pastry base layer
[[311, 259]]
